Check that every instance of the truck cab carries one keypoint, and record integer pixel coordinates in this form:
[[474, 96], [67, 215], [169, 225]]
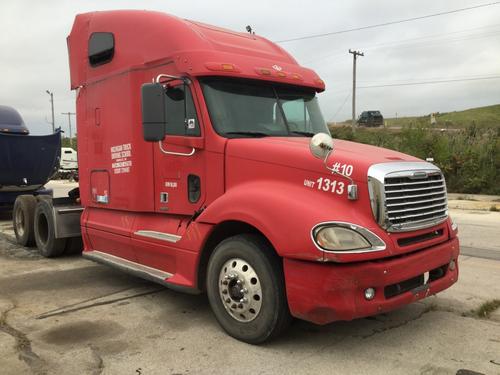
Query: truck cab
[[206, 166]]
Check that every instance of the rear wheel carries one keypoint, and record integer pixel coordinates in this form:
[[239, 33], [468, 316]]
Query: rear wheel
[[246, 290], [46, 241], [23, 218]]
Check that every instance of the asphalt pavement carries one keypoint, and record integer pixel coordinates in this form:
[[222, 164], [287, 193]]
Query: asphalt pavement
[[479, 233]]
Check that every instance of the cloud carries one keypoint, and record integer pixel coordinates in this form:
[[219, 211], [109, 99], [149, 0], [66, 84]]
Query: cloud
[[34, 56]]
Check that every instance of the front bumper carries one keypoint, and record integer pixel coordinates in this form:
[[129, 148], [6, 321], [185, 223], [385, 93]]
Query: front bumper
[[326, 292]]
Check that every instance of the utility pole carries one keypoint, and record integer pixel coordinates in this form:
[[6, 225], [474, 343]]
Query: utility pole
[[52, 105], [355, 54], [69, 123]]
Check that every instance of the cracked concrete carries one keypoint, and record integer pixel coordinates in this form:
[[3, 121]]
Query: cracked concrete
[[168, 332], [22, 344], [71, 316], [99, 362], [400, 324]]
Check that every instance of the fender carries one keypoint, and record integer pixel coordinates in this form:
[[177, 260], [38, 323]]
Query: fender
[[283, 212]]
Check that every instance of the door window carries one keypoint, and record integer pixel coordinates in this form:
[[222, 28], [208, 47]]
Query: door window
[[181, 116]]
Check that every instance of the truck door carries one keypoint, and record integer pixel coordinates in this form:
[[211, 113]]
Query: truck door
[[179, 170], [179, 184]]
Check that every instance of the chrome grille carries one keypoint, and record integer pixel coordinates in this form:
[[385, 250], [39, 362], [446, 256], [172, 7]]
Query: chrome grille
[[407, 196], [411, 201]]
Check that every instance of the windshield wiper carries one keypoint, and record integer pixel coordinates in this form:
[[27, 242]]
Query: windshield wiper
[[249, 134], [307, 134]]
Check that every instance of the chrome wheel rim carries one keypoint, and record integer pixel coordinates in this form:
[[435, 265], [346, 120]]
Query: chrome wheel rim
[[240, 290], [19, 222]]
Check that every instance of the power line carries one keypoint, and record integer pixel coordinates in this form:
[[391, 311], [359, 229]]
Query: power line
[[417, 42], [342, 106], [428, 79], [387, 23], [429, 82]]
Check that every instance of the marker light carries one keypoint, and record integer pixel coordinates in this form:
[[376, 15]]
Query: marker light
[[227, 67], [263, 71], [224, 67], [454, 226], [452, 265]]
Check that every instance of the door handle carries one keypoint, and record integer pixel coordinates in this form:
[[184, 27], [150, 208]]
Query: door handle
[[160, 143]]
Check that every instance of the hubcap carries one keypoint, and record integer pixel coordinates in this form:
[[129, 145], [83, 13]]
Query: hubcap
[[240, 290], [19, 222]]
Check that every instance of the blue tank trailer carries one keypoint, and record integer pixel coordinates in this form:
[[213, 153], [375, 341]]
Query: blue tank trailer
[[27, 162]]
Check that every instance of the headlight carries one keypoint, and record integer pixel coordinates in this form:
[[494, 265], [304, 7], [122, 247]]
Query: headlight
[[337, 238], [345, 237]]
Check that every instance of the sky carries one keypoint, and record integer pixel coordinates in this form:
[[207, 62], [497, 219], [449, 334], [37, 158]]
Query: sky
[[462, 45]]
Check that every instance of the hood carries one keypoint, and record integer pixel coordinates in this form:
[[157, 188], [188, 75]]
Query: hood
[[294, 152]]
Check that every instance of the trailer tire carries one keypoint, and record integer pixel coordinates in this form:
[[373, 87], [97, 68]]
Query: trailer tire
[[246, 289], [23, 219], [46, 241]]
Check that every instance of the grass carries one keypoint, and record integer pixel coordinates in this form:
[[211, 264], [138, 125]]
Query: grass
[[469, 157], [485, 310], [482, 117], [494, 208]]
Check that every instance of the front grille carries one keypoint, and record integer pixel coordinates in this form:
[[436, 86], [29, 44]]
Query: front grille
[[414, 202], [407, 241]]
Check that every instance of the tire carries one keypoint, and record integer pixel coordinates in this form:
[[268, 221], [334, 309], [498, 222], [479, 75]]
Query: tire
[[43, 196], [248, 262], [48, 245], [23, 218]]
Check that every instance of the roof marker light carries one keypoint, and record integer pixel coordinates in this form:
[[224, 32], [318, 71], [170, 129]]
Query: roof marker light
[[224, 67], [227, 67], [263, 71], [297, 76]]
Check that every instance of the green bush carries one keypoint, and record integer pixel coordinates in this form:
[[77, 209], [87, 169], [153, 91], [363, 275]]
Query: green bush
[[469, 157]]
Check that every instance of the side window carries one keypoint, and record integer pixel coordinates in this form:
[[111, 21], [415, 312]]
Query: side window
[[101, 48], [181, 120]]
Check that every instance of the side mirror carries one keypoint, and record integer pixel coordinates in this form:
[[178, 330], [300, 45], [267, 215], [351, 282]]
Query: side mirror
[[321, 145], [154, 115]]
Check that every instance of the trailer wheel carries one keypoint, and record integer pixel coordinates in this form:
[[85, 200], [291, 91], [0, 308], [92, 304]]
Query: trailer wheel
[[23, 218], [46, 241], [246, 289]]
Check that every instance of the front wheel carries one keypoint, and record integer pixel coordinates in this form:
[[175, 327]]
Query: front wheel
[[246, 289]]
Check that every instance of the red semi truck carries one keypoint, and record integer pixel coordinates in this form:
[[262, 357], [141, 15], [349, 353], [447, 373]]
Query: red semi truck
[[206, 165]]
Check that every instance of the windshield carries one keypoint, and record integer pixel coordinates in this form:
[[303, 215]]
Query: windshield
[[256, 109]]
